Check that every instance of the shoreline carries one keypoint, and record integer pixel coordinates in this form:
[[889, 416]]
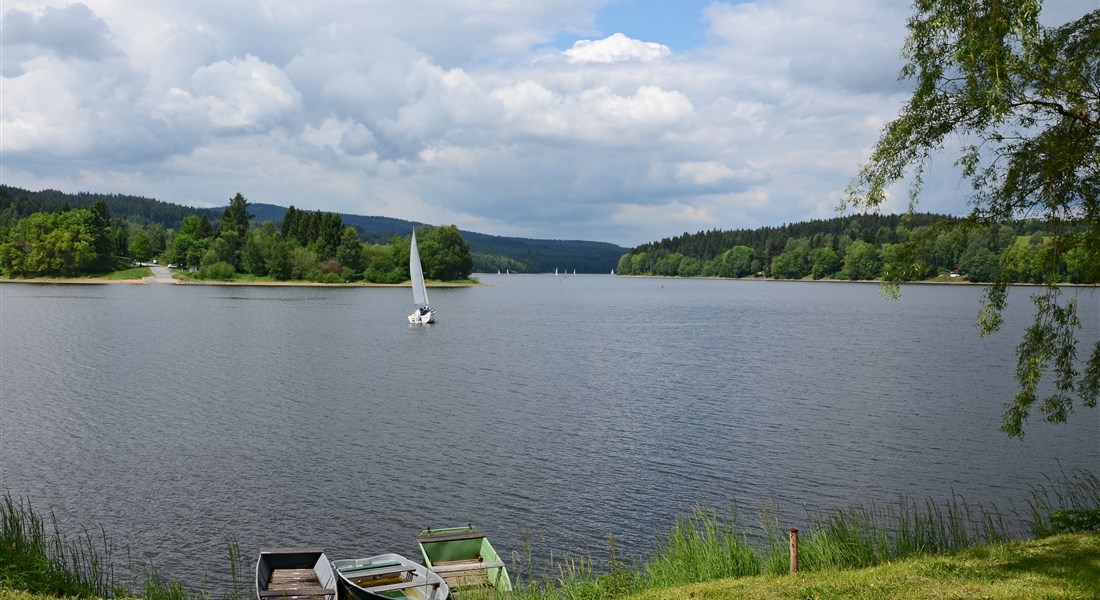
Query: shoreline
[[152, 281], [860, 281]]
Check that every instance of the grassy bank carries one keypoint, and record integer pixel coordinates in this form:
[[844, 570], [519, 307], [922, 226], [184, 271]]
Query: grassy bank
[[1065, 566], [905, 549]]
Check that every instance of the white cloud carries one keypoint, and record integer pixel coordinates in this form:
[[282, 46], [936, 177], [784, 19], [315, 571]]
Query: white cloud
[[458, 109], [71, 32], [704, 173], [28, 125], [598, 115], [235, 94], [616, 48]]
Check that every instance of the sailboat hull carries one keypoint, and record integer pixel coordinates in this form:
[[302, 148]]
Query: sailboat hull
[[420, 319]]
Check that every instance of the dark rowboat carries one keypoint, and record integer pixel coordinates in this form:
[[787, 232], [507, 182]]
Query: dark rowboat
[[294, 573]]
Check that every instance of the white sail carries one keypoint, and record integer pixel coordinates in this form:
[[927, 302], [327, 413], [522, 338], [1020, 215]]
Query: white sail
[[420, 291]]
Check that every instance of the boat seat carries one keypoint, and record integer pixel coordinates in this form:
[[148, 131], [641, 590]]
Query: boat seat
[[389, 568], [305, 591], [469, 566], [376, 589], [450, 537]]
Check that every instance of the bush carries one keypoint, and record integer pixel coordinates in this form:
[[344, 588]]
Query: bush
[[219, 270], [1069, 521]]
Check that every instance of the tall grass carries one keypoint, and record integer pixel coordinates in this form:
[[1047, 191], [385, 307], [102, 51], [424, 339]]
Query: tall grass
[[1075, 492], [36, 557], [702, 545], [40, 560], [864, 536]]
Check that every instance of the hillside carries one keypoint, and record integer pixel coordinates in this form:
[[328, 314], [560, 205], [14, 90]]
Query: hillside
[[490, 252]]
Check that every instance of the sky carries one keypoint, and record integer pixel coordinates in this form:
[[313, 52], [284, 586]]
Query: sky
[[623, 121]]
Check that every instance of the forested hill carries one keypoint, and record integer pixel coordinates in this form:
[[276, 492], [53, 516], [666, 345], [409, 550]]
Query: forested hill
[[770, 241], [871, 246], [490, 252], [18, 203]]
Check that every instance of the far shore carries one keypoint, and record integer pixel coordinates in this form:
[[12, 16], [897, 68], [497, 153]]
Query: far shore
[[956, 281], [445, 284], [151, 280]]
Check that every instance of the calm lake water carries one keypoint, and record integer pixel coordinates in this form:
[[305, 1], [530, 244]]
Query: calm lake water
[[569, 408]]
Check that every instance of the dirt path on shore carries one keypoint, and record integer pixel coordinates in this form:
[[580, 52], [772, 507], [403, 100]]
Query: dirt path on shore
[[160, 274]]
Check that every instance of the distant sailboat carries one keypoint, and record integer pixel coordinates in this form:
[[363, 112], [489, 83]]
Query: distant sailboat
[[555, 271], [612, 271], [423, 313]]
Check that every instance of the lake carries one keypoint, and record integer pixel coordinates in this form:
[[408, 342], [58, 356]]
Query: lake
[[550, 411]]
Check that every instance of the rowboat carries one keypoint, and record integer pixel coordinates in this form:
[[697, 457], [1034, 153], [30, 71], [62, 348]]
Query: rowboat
[[465, 558], [294, 573], [388, 577]]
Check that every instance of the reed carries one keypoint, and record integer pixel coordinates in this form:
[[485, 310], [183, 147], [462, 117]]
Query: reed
[[41, 560], [240, 575], [159, 588], [1053, 505], [863, 536], [702, 545]]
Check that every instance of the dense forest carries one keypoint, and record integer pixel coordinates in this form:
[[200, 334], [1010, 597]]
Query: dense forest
[[313, 246], [52, 233], [490, 253], [864, 247]]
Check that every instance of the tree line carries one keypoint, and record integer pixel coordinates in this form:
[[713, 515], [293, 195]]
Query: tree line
[[490, 253], [869, 246], [312, 246]]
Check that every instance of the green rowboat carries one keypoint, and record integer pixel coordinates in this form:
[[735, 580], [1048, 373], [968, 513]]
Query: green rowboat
[[464, 557]]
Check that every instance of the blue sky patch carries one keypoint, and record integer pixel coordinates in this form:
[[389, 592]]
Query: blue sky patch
[[677, 24]]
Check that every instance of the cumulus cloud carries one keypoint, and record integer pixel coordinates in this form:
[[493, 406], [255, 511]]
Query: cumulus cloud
[[70, 32], [596, 114], [236, 94], [458, 109], [616, 48]]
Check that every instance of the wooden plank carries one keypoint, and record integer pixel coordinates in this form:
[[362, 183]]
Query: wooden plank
[[376, 570], [292, 577], [429, 538], [462, 580], [302, 591], [311, 550], [452, 566], [399, 586]]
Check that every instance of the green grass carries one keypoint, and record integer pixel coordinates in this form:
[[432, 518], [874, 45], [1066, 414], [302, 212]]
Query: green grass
[[905, 549], [706, 546], [34, 556], [1075, 492], [129, 273], [124, 274], [1065, 566]]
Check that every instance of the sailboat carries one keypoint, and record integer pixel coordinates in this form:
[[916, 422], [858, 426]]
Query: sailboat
[[423, 312]]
